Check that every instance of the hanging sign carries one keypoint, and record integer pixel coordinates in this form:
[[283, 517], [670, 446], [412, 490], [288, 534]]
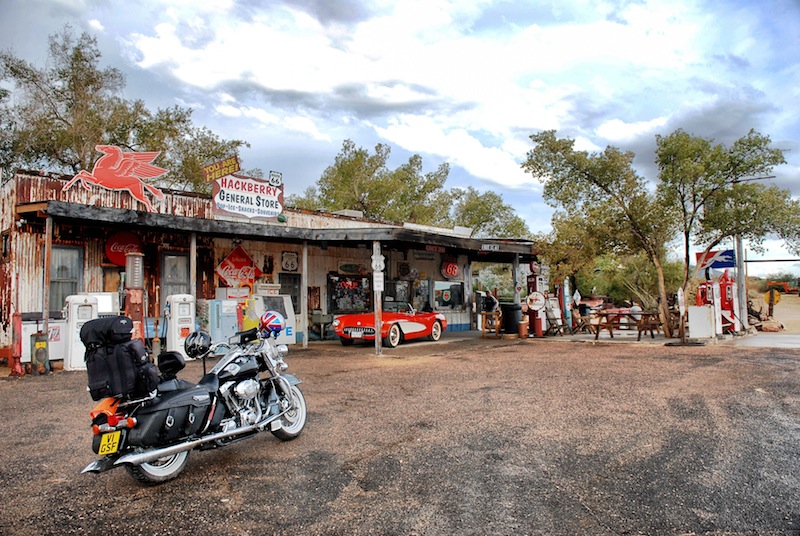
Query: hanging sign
[[238, 269], [716, 259], [256, 199], [450, 269], [214, 171], [121, 243]]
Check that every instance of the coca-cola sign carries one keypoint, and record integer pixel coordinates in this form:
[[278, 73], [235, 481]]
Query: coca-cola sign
[[121, 243], [238, 269]]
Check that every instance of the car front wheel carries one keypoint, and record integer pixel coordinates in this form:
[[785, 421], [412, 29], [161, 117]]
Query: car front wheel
[[394, 336]]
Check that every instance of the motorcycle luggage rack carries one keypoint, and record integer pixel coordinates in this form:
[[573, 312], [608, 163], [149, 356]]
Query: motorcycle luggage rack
[[150, 396]]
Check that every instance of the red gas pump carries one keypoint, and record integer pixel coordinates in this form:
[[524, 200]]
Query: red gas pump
[[705, 294], [727, 288], [537, 291]]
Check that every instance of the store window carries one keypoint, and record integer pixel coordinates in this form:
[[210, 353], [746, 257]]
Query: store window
[[449, 295], [66, 274], [174, 274], [348, 294], [290, 285]]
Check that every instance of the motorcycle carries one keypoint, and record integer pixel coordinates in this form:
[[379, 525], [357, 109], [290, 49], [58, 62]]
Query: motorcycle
[[246, 392]]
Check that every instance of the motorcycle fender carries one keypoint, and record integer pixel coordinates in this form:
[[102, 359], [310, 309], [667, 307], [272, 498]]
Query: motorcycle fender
[[291, 379]]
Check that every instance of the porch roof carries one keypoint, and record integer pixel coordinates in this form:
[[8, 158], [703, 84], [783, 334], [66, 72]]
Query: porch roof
[[477, 249]]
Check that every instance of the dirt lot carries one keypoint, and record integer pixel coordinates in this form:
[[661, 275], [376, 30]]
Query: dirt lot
[[470, 437]]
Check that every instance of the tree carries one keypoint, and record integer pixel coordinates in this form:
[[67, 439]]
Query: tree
[[358, 180], [584, 183], [61, 112], [486, 214], [709, 187]]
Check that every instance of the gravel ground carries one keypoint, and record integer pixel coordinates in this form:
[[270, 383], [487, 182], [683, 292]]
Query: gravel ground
[[466, 437]]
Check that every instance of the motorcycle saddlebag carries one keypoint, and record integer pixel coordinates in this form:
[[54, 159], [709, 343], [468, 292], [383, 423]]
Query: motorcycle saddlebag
[[174, 415]]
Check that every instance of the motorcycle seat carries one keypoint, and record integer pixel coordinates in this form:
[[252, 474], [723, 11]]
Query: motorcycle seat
[[174, 384]]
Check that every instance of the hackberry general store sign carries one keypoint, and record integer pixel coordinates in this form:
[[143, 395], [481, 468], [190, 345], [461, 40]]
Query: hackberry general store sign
[[257, 199]]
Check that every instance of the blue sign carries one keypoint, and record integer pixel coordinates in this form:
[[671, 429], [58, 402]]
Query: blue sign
[[717, 259]]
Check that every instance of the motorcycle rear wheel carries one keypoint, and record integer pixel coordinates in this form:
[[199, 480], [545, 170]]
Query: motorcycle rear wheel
[[160, 471], [294, 420]]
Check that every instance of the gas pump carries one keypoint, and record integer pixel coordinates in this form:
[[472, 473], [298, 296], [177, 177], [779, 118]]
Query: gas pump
[[80, 309], [708, 293], [729, 303], [180, 316], [537, 291]]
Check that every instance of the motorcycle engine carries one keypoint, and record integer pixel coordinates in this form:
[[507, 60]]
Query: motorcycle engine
[[246, 401], [246, 390]]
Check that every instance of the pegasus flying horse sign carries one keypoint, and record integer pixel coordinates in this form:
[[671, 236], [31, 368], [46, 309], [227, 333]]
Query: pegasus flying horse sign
[[716, 259], [123, 171]]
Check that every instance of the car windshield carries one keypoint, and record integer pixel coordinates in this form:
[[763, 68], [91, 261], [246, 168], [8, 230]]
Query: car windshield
[[397, 307]]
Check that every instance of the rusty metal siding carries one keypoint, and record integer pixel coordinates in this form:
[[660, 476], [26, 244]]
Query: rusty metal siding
[[34, 189], [28, 259]]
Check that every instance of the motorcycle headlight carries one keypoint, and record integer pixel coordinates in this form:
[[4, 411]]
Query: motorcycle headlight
[[282, 351]]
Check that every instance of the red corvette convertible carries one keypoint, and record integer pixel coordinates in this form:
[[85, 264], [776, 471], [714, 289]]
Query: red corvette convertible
[[401, 322]]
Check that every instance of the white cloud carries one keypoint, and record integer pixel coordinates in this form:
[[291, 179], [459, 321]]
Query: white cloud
[[457, 146], [616, 130]]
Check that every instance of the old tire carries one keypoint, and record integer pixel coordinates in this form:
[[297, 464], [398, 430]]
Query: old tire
[[160, 471], [436, 331], [394, 337], [294, 420]]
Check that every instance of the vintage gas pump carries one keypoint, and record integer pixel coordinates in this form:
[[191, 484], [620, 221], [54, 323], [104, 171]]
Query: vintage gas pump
[[180, 316], [708, 293], [134, 292], [80, 309], [537, 292], [729, 303]]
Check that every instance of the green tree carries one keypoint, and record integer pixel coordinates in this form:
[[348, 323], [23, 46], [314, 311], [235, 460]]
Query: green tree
[[486, 214], [61, 112], [359, 180], [709, 186], [584, 183]]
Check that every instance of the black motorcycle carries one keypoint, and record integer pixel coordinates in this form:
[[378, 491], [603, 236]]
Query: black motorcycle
[[151, 434]]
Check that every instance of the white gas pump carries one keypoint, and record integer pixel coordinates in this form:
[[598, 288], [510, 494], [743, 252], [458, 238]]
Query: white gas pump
[[180, 316], [717, 305], [80, 309]]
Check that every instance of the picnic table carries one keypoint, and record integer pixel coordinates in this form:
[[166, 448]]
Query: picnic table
[[611, 319]]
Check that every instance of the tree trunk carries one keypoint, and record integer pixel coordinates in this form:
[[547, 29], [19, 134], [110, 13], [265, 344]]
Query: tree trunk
[[663, 309]]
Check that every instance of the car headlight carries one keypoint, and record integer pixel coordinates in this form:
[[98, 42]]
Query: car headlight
[[336, 323]]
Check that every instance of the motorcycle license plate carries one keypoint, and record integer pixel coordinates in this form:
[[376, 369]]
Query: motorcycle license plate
[[109, 443]]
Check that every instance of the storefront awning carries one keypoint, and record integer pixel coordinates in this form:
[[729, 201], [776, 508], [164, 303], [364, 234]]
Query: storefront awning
[[483, 250]]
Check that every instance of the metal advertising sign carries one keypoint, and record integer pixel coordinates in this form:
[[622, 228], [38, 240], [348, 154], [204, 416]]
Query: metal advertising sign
[[238, 269], [121, 243], [214, 171], [127, 172], [253, 198], [716, 259]]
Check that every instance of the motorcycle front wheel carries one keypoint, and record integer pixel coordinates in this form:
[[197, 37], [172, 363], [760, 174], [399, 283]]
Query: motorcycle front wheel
[[293, 421], [162, 470]]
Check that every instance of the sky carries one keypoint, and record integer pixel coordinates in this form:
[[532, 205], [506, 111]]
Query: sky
[[456, 81]]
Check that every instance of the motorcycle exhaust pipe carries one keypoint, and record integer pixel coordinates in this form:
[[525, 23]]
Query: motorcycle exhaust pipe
[[139, 458]]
